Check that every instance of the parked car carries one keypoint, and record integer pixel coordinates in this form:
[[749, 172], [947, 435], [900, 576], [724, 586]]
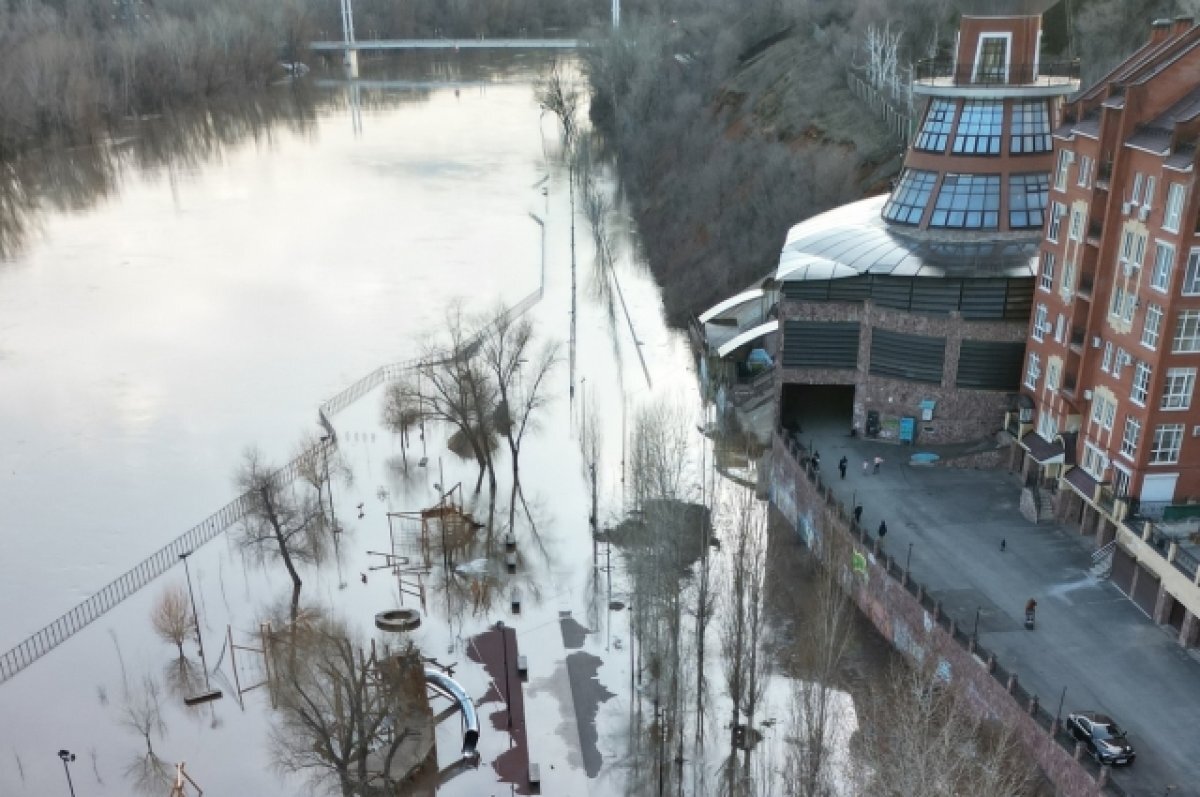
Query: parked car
[[1104, 739]]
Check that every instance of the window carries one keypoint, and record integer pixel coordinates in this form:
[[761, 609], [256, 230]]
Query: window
[[907, 203], [1120, 361], [936, 129], [980, 126], [1094, 461], [1135, 197], [1058, 210], [1123, 302], [1060, 170], [1164, 261], [1047, 278], [1131, 437], [1175, 196], [1047, 424], [1120, 482], [1085, 171], [1103, 412], [1068, 280], [1032, 371], [1060, 328], [1148, 199], [1053, 371], [1106, 363], [1040, 324], [1167, 441], [1152, 326], [1191, 276], [1133, 249], [1187, 332], [969, 201], [1030, 128], [1177, 390], [992, 64], [1076, 231], [1027, 200], [1141, 383]]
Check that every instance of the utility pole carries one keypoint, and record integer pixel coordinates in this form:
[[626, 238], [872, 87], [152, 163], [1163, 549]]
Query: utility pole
[[595, 551], [351, 51]]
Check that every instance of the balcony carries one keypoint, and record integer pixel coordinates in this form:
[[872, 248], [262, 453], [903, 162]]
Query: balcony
[[1078, 336], [945, 72], [1104, 172], [1095, 232], [1172, 529]]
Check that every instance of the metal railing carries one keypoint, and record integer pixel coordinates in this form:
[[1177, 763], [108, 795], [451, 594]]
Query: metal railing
[[1015, 75], [88, 611], [150, 568]]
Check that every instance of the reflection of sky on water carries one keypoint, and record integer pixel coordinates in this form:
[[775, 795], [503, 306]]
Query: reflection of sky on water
[[148, 338]]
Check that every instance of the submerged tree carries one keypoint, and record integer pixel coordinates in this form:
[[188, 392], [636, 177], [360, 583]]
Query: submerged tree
[[519, 370], [171, 616], [344, 714], [278, 524]]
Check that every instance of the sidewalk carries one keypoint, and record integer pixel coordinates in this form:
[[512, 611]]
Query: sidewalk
[[1089, 639]]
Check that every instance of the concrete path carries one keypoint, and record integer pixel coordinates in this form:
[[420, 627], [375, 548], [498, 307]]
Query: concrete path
[[1089, 639]]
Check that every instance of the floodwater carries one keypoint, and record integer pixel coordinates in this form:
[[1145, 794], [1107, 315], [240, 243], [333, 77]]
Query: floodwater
[[200, 285]]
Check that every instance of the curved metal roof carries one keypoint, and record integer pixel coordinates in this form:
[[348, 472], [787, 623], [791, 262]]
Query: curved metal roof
[[748, 336], [857, 237], [731, 302]]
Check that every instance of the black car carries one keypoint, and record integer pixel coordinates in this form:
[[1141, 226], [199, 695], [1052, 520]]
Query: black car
[[1104, 739]]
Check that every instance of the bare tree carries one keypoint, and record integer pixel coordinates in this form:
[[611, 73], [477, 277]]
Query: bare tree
[[558, 97], [922, 737], [519, 373], [455, 388], [824, 619], [142, 714], [171, 616], [345, 714], [743, 634], [278, 524]]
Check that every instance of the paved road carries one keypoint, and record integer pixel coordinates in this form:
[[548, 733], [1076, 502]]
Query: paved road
[[1089, 639]]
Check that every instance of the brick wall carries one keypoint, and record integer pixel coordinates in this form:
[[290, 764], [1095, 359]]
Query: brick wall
[[913, 624]]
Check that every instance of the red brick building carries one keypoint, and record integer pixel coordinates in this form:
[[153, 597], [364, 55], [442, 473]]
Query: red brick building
[[1109, 411]]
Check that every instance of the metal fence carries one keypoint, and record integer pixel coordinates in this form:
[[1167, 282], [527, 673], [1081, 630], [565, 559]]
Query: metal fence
[[150, 568], [153, 566], [900, 121]]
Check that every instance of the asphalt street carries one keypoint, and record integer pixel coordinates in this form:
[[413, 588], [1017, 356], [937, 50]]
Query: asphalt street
[[1089, 641]]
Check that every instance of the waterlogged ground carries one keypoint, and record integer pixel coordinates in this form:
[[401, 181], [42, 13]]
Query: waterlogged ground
[[151, 333]]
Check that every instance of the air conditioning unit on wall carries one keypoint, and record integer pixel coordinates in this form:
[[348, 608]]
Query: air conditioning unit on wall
[[1087, 395], [1126, 207], [1095, 341], [1143, 214]]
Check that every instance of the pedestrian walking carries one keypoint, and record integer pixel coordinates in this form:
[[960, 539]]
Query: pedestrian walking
[[866, 465], [842, 468], [858, 514], [878, 462], [882, 529]]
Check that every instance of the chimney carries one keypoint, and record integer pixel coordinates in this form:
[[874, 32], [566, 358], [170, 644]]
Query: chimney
[[1183, 25], [1160, 31]]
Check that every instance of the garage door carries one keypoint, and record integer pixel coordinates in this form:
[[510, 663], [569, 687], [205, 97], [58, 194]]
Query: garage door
[[1122, 570], [1176, 614], [1145, 593]]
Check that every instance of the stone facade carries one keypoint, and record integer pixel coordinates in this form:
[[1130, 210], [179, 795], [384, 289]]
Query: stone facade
[[961, 414]]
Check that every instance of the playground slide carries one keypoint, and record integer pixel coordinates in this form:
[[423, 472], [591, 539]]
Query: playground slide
[[450, 689]]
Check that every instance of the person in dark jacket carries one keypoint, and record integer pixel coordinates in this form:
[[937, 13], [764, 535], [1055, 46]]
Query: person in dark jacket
[[842, 468], [882, 529]]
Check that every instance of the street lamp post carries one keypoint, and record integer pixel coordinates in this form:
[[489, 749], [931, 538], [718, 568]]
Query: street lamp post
[[67, 756], [195, 616], [908, 559]]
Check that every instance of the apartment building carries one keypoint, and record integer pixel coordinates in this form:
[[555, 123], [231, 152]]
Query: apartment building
[[1108, 412]]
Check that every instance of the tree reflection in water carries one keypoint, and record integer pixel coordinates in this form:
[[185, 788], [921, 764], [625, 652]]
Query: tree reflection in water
[[73, 179]]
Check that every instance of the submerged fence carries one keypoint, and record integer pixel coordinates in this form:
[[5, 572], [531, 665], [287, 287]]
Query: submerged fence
[[162, 560]]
